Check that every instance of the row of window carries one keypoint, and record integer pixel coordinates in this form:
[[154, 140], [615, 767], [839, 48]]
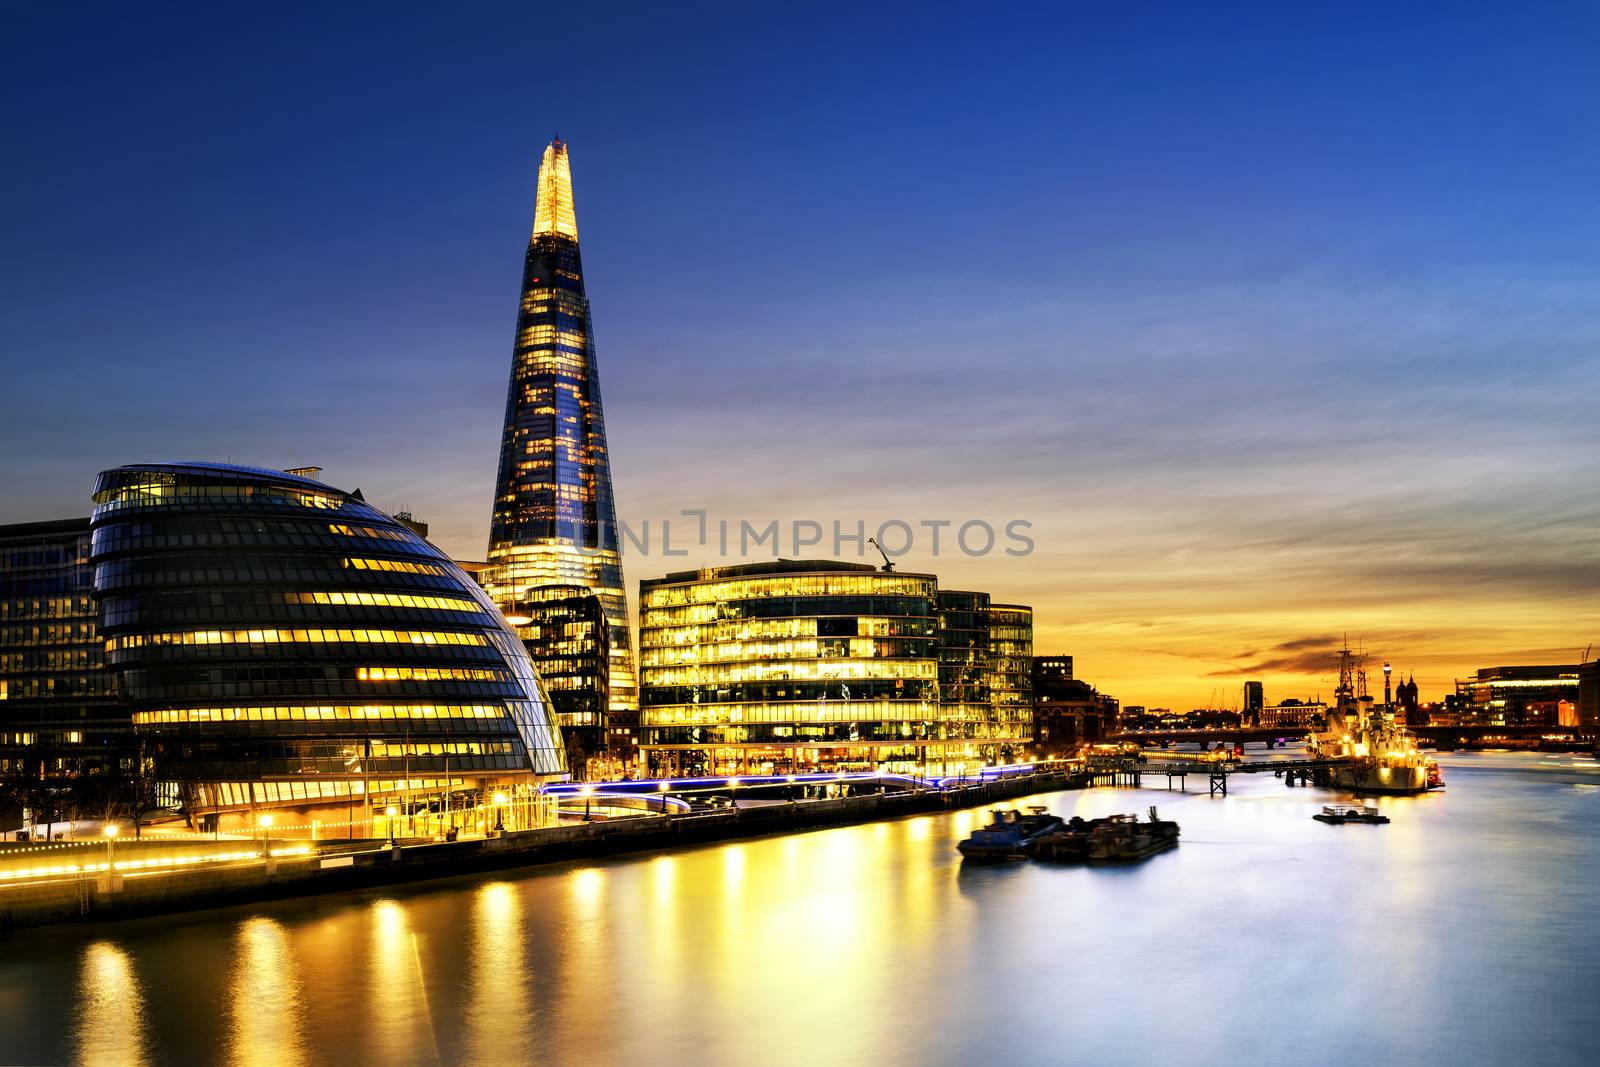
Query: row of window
[[853, 710], [15, 608], [428, 674], [827, 648], [832, 733], [843, 584], [915, 608], [312, 713], [288, 636], [223, 569]]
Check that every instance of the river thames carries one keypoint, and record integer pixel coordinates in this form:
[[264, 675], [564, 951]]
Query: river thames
[[1462, 933]]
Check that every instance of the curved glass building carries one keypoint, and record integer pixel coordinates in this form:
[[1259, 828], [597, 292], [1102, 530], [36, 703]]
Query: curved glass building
[[282, 643]]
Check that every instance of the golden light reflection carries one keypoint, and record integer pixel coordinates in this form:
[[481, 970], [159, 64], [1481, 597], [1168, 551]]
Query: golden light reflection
[[588, 889], [401, 1022], [733, 868], [110, 1023], [664, 924], [265, 1013], [499, 1012]]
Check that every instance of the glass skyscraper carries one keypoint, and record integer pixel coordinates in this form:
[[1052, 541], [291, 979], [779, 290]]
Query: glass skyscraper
[[554, 521]]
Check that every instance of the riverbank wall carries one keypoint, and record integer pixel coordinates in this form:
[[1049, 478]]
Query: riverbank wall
[[97, 898]]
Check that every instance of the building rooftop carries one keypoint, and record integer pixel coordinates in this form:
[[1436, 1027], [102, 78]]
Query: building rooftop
[[780, 566], [46, 528]]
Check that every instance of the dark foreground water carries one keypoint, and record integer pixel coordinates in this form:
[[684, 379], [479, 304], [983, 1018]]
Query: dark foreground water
[[1463, 933]]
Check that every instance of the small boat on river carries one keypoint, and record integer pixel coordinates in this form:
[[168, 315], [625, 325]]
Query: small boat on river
[[1339, 814], [1124, 838], [1116, 838], [1009, 835]]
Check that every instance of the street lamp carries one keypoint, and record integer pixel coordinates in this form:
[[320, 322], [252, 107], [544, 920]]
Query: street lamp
[[111, 836], [266, 835], [500, 812], [587, 792], [389, 813]]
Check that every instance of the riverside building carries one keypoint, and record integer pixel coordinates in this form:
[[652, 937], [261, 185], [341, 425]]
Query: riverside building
[[283, 644], [796, 666], [554, 521], [1518, 696], [568, 637], [1010, 683], [60, 718]]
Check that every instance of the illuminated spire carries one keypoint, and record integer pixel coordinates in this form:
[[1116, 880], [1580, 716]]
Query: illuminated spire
[[553, 213]]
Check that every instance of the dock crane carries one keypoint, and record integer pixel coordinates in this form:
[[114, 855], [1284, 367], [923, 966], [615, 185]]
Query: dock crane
[[887, 565]]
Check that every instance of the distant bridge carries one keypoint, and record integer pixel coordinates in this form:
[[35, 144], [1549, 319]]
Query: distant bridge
[[1263, 734], [1132, 770]]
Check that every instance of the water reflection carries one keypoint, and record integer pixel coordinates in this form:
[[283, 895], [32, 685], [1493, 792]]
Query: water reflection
[[498, 1015], [265, 1013], [873, 944], [110, 1028], [401, 1026]]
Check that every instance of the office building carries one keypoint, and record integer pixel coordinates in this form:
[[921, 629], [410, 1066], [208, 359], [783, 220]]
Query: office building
[[1010, 679], [567, 635], [966, 662], [1254, 700], [804, 665], [60, 717], [554, 521], [1589, 698], [1517, 696], [283, 644]]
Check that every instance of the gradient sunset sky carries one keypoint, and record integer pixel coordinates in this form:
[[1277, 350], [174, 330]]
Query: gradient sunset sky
[[1276, 321]]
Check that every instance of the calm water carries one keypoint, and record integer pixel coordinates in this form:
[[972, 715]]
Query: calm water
[[1463, 933]]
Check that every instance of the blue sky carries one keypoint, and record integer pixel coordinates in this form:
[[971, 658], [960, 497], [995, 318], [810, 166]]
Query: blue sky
[[1276, 321]]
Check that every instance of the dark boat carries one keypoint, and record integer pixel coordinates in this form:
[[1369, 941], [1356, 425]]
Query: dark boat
[[1116, 838], [1068, 844], [1009, 835], [1339, 814], [1123, 838]]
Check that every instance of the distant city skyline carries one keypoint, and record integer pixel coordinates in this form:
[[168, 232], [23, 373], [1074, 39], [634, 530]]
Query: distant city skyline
[[1266, 353]]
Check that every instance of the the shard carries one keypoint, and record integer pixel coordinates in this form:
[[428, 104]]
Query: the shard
[[554, 520]]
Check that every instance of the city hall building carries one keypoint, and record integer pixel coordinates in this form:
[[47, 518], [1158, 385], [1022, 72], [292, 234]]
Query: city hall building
[[795, 666], [282, 644]]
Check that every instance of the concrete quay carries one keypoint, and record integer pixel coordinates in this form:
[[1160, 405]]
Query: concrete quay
[[95, 897]]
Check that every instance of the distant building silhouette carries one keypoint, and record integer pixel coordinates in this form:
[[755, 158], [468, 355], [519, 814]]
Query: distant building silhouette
[[1254, 701]]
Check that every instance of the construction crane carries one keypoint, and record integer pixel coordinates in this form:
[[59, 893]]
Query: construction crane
[[888, 566], [1586, 652]]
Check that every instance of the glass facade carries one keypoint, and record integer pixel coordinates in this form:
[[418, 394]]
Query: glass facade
[[966, 662], [554, 520], [283, 643], [1011, 678], [567, 635], [60, 717], [794, 666]]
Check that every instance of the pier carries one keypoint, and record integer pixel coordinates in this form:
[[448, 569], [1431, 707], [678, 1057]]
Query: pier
[[1132, 770]]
